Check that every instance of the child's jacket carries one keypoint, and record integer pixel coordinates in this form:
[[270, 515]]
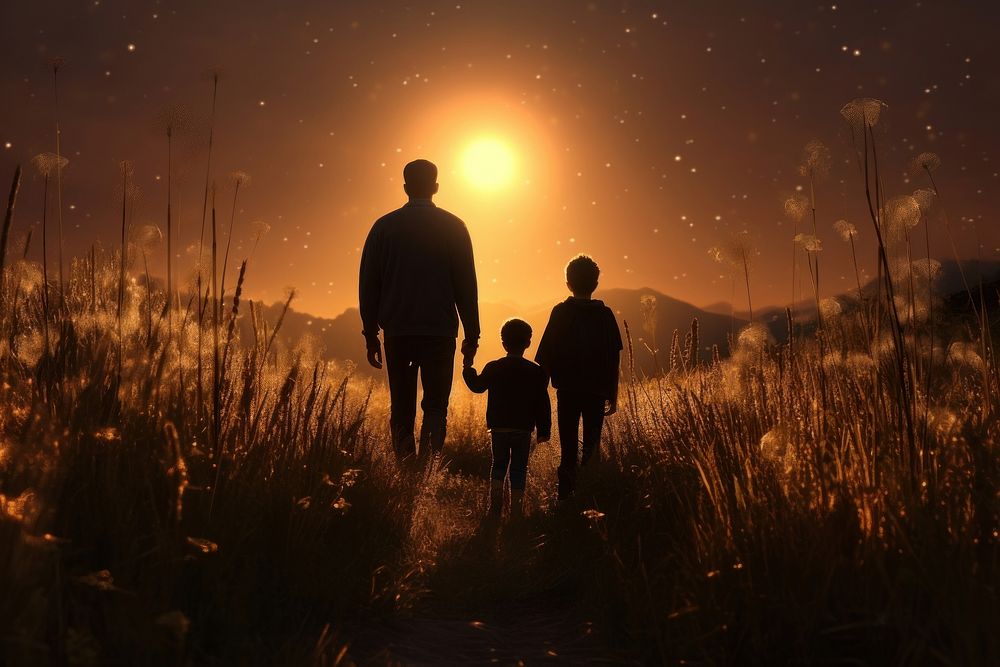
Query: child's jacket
[[518, 394], [580, 348]]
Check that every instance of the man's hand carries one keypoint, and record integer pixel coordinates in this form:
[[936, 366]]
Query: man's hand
[[610, 407], [374, 351], [469, 348]]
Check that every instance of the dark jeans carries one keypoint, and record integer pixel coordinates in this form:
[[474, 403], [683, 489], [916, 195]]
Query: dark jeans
[[434, 357], [571, 407], [510, 450]]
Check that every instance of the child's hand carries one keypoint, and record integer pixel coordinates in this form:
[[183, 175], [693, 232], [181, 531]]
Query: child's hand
[[610, 408]]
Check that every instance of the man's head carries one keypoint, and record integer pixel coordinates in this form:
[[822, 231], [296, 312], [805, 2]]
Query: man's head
[[515, 335], [582, 273], [420, 179]]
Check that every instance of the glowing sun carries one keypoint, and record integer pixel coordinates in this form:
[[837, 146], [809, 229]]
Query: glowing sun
[[488, 163]]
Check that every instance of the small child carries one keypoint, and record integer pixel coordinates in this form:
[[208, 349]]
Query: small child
[[581, 351], [518, 403]]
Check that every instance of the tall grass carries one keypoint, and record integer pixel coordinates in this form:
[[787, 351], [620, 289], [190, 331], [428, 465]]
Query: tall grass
[[831, 502]]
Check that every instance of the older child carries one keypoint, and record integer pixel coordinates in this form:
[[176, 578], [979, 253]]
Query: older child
[[580, 350], [518, 403]]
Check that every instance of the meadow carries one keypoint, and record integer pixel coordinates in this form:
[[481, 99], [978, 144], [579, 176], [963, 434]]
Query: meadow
[[173, 494]]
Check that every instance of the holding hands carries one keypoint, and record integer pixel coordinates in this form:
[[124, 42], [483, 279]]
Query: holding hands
[[469, 348]]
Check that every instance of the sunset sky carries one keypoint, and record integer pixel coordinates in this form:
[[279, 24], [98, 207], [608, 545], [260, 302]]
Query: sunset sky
[[643, 133]]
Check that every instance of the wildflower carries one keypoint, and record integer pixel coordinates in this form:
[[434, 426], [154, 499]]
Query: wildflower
[[647, 306], [965, 354], [24, 508], [240, 178], [927, 161], [809, 242], [107, 434], [754, 336], [846, 230], [48, 164], [816, 159], [774, 444], [899, 216], [925, 198], [147, 236], [259, 228], [341, 504], [830, 308], [926, 269], [796, 207], [859, 363], [863, 112], [174, 118], [592, 514], [833, 361]]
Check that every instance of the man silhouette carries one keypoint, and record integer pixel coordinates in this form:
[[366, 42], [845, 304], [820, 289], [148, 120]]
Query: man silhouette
[[417, 270]]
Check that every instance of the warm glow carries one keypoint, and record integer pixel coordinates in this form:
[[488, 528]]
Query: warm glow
[[488, 164]]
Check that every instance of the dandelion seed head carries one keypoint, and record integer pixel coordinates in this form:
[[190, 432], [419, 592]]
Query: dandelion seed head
[[240, 178], [830, 308], [899, 216], [962, 354], [774, 445], [863, 112], [146, 237], [859, 363], [260, 228], [809, 242], [754, 336], [927, 161], [926, 269], [47, 164], [845, 229], [925, 199], [816, 159], [796, 207]]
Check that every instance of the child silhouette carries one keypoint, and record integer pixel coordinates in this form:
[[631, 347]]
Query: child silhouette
[[581, 351], [517, 404]]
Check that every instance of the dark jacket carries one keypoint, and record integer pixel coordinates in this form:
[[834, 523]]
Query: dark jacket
[[416, 269], [581, 348], [518, 397]]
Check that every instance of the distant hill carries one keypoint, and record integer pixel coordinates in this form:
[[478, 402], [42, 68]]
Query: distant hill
[[340, 337]]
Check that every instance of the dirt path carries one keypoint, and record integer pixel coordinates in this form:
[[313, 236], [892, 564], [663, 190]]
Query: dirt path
[[493, 595]]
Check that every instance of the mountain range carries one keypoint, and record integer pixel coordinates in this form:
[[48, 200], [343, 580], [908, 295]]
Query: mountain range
[[651, 318]]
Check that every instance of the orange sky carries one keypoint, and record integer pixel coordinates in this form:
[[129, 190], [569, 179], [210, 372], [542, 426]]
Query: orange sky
[[643, 134]]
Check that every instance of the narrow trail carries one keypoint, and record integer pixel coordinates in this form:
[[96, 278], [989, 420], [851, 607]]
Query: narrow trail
[[491, 593]]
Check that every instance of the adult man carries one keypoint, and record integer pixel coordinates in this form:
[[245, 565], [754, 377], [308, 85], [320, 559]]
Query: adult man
[[417, 270]]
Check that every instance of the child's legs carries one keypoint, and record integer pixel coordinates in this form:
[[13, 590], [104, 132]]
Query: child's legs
[[501, 456], [568, 417], [593, 422], [520, 445]]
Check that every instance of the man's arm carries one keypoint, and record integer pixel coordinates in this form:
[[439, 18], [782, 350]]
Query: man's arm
[[369, 295], [463, 276]]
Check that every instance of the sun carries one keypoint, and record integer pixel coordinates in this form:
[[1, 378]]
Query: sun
[[488, 163]]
